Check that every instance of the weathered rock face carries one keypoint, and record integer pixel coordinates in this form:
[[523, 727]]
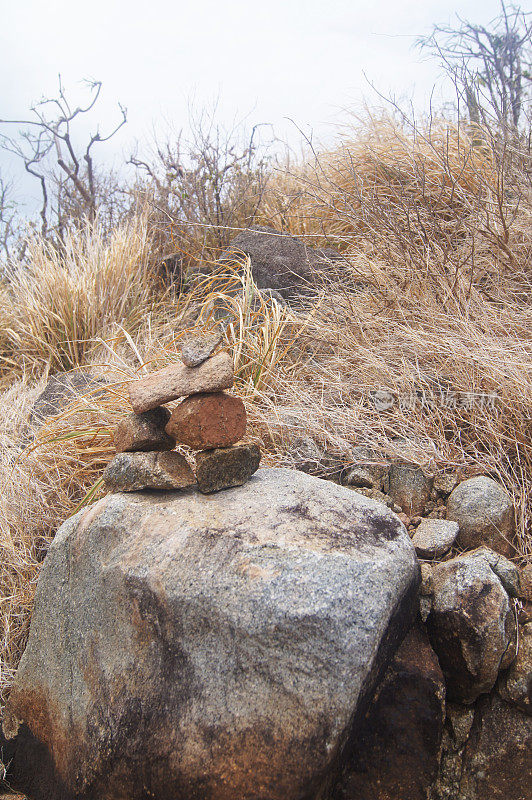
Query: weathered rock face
[[209, 647], [471, 626], [197, 349], [485, 513], [434, 537], [144, 432], [397, 755], [515, 685], [280, 261], [410, 487], [129, 472], [495, 762]]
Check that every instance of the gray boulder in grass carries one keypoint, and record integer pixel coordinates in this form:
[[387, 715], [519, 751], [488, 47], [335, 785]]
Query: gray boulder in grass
[[279, 261], [484, 512], [209, 647]]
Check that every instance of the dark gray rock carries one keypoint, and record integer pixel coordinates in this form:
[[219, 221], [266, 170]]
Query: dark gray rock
[[63, 389], [471, 626], [367, 470], [144, 432], [209, 647], [280, 261], [130, 472], [226, 467], [397, 754], [485, 513]]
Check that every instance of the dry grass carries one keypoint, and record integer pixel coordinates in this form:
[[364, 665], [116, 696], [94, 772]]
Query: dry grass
[[52, 308], [431, 303]]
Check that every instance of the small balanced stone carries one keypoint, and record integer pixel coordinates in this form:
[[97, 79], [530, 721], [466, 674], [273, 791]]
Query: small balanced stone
[[208, 420], [144, 432], [227, 467], [197, 349], [434, 537], [178, 380], [130, 472]]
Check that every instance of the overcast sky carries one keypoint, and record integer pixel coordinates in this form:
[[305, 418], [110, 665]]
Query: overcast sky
[[274, 61]]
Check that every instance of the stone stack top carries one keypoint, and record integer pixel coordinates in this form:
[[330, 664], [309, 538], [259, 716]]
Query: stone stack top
[[177, 380], [207, 420]]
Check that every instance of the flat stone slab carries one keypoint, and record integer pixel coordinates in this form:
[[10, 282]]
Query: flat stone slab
[[130, 472], [434, 537], [196, 646], [178, 380]]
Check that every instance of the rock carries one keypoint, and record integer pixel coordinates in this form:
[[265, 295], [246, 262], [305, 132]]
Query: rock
[[382, 399], [197, 349], [208, 420], [504, 569], [366, 471], [397, 754], [380, 497], [485, 513], [410, 487], [177, 380], [434, 537], [280, 261], [515, 685], [498, 754], [63, 389], [427, 586], [458, 723], [471, 626], [227, 467], [129, 472], [185, 646], [142, 432], [525, 582], [444, 482]]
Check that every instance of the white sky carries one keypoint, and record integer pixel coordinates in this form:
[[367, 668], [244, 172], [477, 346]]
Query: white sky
[[266, 61]]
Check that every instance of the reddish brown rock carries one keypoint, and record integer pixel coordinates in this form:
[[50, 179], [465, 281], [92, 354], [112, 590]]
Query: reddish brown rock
[[231, 466], [178, 380], [130, 472], [144, 432], [205, 421]]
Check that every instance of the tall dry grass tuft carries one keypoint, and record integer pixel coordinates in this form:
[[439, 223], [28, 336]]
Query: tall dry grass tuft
[[53, 307], [436, 203]]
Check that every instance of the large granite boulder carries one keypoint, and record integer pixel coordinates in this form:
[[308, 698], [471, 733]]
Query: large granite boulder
[[398, 752], [280, 261], [472, 623], [209, 647]]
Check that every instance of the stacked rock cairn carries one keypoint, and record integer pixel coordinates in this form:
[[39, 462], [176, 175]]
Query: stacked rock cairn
[[208, 420]]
